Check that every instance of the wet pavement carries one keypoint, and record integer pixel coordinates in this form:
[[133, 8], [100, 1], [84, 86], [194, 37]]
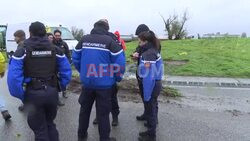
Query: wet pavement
[[178, 120], [215, 99]]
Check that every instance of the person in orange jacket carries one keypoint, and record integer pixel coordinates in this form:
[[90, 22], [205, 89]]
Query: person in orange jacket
[[117, 34]]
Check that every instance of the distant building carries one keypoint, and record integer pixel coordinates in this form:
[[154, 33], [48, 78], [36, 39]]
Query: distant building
[[218, 35], [163, 37], [127, 38]]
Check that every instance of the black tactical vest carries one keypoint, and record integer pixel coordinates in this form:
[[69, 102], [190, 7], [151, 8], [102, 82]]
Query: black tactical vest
[[40, 62]]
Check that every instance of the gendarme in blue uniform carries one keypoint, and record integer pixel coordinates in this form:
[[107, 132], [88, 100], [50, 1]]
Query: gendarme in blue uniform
[[150, 72], [16, 77], [95, 52], [36, 66], [101, 63]]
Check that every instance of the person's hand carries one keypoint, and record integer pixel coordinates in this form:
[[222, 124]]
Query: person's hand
[[2, 74], [135, 56]]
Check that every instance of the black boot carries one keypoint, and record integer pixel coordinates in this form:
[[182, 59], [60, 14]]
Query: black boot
[[141, 118], [147, 138], [115, 121], [21, 108], [64, 94], [83, 137], [6, 115], [142, 134], [95, 121], [146, 125], [60, 103], [112, 139]]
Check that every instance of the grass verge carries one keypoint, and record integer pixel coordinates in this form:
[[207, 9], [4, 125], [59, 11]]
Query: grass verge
[[222, 57]]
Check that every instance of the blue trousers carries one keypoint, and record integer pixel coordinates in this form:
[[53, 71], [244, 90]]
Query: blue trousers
[[103, 108], [42, 110], [151, 108], [141, 94], [114, 100]]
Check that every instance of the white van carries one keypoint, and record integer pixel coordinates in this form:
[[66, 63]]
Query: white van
[[11, 45]]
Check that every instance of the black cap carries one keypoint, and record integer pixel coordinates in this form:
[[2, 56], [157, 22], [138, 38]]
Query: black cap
[[37, 29], [141, 28]]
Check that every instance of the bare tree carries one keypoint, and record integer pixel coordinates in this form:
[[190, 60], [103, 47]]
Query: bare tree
[[168, 25], [77, 33], [175, 26]]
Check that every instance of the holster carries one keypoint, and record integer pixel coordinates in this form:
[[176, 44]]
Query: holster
[[42, 83]]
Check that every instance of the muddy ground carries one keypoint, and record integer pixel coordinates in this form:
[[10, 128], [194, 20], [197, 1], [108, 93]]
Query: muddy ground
[[128, 91]]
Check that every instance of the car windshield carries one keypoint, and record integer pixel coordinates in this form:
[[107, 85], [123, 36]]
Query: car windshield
[[66, 34]]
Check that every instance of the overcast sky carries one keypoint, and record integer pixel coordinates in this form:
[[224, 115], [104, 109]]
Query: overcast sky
[[205, 16]]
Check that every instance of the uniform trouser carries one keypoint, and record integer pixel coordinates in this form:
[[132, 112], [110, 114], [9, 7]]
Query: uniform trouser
[[42, 110], [103, 108], [152, 108], [115, 111], [141, 93], [114, 100]]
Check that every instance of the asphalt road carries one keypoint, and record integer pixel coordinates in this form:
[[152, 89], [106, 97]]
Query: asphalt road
[[178, 121]]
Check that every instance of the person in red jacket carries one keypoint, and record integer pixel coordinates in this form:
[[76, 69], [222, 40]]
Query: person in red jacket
[[117, 34]]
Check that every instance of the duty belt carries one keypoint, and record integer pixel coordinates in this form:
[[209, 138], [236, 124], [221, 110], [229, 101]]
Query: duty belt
[[40, 83]]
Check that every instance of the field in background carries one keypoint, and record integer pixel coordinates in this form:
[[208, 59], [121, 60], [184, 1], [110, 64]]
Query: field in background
[[221, 57]]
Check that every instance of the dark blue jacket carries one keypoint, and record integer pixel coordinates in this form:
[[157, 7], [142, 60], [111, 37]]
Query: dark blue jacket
[[99, 59], [64, 47], [150, 69], [16, 78]]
